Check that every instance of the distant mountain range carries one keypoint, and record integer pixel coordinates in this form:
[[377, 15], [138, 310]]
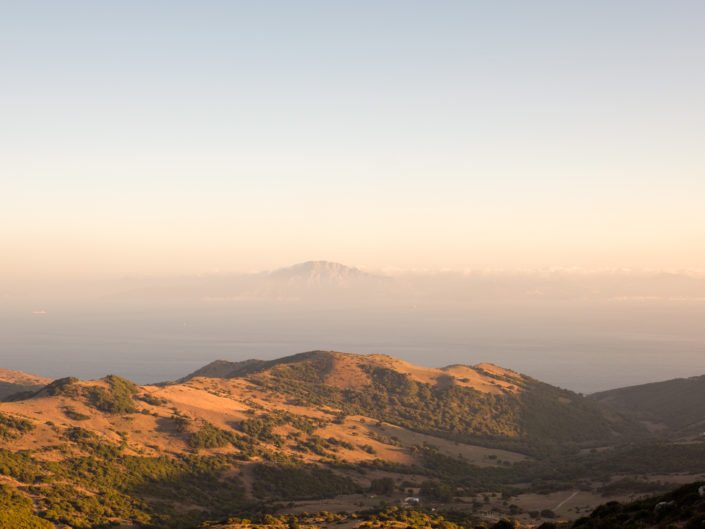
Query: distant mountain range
[[325, 280], [308, 281]]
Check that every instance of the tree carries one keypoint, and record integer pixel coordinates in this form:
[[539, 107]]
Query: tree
[[382, 486]]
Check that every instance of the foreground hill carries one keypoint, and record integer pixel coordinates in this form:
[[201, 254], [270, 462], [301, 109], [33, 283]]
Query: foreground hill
[[316, 431], [681, 508], [478, 404], [672, 407]]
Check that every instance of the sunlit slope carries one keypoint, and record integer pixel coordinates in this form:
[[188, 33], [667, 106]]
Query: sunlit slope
[[88, 453], [302, 428], [477, 404], [182, 418]]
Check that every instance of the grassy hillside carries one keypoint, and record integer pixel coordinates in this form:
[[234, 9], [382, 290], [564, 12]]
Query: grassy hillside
[[481, 404], [673, 407], [254, 438]]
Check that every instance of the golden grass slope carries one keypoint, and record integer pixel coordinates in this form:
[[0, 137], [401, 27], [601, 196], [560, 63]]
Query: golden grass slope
[[351, 371], [224, 403]]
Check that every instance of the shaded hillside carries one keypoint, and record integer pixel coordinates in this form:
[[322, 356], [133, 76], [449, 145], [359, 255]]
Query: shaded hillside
[[682, 508], [478, 404], [224, 369], [673, 407], [14, 382]]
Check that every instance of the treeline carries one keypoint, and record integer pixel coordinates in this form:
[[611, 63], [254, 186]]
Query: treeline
[[299, 482]]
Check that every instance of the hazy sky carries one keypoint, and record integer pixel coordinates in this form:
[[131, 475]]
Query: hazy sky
[[178, 137]]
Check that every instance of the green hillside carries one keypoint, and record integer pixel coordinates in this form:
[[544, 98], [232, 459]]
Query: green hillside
[[254, 440], [673, 407], [534, 417]]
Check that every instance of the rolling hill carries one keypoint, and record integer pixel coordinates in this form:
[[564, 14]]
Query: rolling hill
[[478, 404], [312, 431], [14, 382], [673, 407]]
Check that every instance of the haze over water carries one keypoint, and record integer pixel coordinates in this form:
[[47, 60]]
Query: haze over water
[[567, 333], [529, 177]]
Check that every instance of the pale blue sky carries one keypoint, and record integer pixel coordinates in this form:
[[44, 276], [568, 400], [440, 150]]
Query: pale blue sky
[[178, 137]]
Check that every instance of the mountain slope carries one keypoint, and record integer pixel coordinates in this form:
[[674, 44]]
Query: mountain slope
[[683, 507], [319, 272], [108, 450], [478, 404], [233, 439], [673, 407], [13, 382]]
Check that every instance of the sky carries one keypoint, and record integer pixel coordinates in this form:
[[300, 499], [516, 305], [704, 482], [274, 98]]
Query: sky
[[167, 137]]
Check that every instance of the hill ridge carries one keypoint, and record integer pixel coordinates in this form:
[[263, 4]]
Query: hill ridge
[[482, 376], [672, 407]]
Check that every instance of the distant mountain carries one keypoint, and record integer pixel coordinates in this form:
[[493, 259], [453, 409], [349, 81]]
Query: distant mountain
[[310, 281], [14, 382], [673, 407], [320, 272], [322, 280]]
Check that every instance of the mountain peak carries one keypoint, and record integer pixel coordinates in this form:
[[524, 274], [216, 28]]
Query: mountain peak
[[320, 274], [318, 270]]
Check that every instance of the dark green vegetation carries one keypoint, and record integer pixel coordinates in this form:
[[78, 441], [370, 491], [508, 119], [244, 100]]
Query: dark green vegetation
[[446, 477], [61, 386], [12, 427], [74, 415], [117, 398], [210, 436], [90, 491], [380, 518], [16, 511], [676, 405], [299, 482], [684, 507]]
